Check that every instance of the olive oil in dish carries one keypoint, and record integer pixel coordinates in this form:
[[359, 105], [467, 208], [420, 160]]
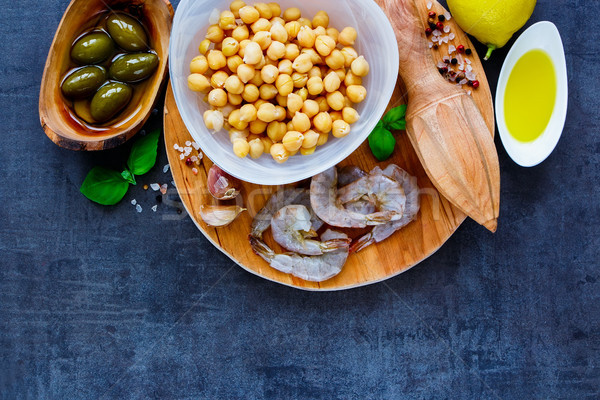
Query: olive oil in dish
[[530, 96]]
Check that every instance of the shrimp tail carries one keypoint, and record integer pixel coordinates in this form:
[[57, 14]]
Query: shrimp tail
[[261, 249], [362, 242], [335, 244], [382, 217]]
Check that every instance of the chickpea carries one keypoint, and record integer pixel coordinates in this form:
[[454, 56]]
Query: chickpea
[[235, 7], [303, 93], [294, 103], [310, 139], [306, 37], [204, 46], [257, 126], [350, 115], [234, 62], [307, 152], [261, 25], [341, 73], [227, 21], [280, 113], [199, 65], [261, 63], [267, 142], [198, 82], [245, 72], [281, 100], [215, 34], [335, 100], [213, 120], [290, 126], [324, 45], [310, 108], [264, 10], [292, 14], [266, 112], [340, 128], [259, 103], [248, 113], [315, 86], [291, 51], [268, 91], [322, 122], [217, 80], [279, 153], [323, 138], [241, 148], [335, 60], [299, 79], [256, 80], [322, 102], [285, 67], [347, 36], [243, 44], [263, 38], [217, 98], [349, 55], [230, 46], [249, 14], [292, 141], [276, 131], [301, 122], [352, 79], [302, 63], [319, 30], [276, 51], [356, 93], [305, 22], [227, 110], [240, 33], [315, 71], [257, 147], [234, 99], [315, 58], [332, 82], [278, 32], [321, 19], [216, 60], [360, 67], [235, 134], [335, 115], [252, 53], [235, 120], [292, 28], [269, 73], [334, 33]]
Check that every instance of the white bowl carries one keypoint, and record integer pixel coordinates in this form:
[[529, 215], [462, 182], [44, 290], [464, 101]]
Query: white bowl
[[545, 36], [376, 41]]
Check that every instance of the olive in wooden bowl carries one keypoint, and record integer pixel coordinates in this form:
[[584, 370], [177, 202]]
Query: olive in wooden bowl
[[104, 71]]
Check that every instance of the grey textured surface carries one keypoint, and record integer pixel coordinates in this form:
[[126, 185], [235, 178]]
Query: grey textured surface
[[107, 303]]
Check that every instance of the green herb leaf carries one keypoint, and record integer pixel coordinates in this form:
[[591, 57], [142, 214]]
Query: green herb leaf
[[398, 125], [396, 114], [128, 176], [143, 154], [382, 143], [104, 186]]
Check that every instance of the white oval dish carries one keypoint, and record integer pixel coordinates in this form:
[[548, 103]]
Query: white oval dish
[[376, 41], [544, 36]]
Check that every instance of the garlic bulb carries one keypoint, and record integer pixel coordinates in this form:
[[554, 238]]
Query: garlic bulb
[[221, 185], [219, 216]]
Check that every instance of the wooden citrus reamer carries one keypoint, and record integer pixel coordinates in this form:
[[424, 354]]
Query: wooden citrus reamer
[[444, 124]]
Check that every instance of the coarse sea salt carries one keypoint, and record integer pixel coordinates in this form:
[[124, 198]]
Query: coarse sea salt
[[447, 28], [166, 168], [138, 208], [163, 188], [155, 186], [451, 49], [196, 146], [471, 75], [430, 45], [447, 16], [451, 36], [133, 202], [181, 156], [188, 143], [463, 81], [429, 4], [154, 207]]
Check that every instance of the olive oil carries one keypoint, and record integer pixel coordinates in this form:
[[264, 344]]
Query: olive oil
[[530, 96]]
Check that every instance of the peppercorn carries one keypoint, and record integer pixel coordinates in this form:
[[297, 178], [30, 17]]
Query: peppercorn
[[441, 18], [440, 26], [447, 60], [470, 83], [460, 48], [431, 14], [435, 46], [188, 162], [443, 70], [430, 20], [475, 84], [468, 52], [428, 31], [432, 26], [454, 61]]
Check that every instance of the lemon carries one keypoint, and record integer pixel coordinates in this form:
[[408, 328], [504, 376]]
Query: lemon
[[492, 22]]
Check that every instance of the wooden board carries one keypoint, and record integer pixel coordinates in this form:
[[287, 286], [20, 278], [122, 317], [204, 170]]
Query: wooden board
[[436, 222]]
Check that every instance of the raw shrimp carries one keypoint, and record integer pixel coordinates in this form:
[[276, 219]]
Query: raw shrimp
[[324, 201], [382, 232], [347, 175], [291, 228], [310, 268], [278, 200]]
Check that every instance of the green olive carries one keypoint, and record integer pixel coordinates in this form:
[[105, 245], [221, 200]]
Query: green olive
[[133, 67], [109, 100], [92, 48], [127, 32], [84, 82]]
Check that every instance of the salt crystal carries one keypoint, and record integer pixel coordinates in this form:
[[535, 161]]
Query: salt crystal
[[446, 58], [154, 207], [429, 4], [173, 184], [155, 186], [188, 143], [138, 208], [430, 45], [469, 92], [180, 149], [448, 16], [176, 146], [434, 39], [463, 81], [461, 67], [196, 146], [441, 64], [133, 202], [445, 39], [447, 28], [451, 49], [166, 168], [194, 159], [195, 171], [181, 156], [468, 61], [451, 36], [469, 68], [163, 188], [437, 33], [470, 75], [200, 155]]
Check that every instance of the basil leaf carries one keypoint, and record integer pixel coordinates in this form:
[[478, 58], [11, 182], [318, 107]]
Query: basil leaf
[[104, 186], [128, 176], [398, 125], [143, 154], [382, 143], [394, 115]]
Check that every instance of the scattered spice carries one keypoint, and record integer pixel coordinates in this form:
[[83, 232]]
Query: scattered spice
[[146, 187]]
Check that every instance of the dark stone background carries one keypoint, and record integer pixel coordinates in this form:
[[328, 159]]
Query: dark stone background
[[102, 302]]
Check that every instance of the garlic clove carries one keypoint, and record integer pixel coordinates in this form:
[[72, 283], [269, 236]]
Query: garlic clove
[[221, 185], [219, 216]]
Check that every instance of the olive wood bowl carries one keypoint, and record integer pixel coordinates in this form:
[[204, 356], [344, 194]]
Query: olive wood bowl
[[57, 119]]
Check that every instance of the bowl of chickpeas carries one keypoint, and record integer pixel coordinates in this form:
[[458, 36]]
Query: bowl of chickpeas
[[275, 93]]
